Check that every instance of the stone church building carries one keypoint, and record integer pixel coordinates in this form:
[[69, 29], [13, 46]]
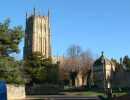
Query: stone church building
[[103, 69], [37, 34], [106, 75]]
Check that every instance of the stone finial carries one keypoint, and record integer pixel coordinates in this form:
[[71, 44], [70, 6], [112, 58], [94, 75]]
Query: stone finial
[[48, 18], [48, 12], [26, 15], [34, 11]]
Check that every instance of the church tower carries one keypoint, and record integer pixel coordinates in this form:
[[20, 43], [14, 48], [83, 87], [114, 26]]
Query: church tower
[[37, 35]]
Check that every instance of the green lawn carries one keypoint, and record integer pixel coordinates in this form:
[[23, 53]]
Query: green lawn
[[92, 93], [120, 93]]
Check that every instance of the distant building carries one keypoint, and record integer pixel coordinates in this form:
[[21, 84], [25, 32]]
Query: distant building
[[80, 80], [37, 35], [103, 72], [107, 75]]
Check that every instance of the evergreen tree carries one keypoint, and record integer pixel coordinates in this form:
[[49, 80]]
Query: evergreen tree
[[9, 38], [126, 61], [10, 69], [40, 69]]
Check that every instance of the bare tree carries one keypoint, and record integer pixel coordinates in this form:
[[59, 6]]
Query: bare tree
[[86, 60], [73, 58], [63, 70], [74, 51], [75, 62], [70, 65]]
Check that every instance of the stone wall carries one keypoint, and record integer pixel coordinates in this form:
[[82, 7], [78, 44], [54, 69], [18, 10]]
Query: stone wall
[[15, 92], [121, 79]]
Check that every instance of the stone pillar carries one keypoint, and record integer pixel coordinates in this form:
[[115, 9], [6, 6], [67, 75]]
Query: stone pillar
[[15, 92]]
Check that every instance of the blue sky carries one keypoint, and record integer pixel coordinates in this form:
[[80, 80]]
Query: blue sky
[[100, 25]]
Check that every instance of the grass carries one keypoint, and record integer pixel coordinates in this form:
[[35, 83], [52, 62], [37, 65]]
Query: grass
[[92, 93], [120, 93], [97, 92]]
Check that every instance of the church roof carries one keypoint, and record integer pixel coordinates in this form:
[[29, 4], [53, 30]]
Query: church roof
[[102, 59]]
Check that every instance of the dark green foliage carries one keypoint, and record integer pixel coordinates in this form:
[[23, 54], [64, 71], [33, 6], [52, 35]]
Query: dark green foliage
[[9, 38], [126, 62], [10, 71], [52, 73], [39, 69], [34, 67]]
